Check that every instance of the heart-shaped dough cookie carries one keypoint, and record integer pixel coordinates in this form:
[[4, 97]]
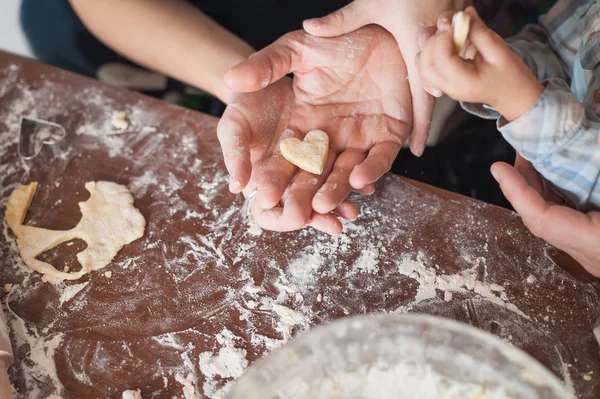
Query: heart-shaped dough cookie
[[310, 154], [460, 24]]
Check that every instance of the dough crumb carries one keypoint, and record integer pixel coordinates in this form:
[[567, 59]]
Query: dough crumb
[[66, 269], [7, 288], [496, 287], [447, 296], [130, 394], [108, 274], [119, 121]]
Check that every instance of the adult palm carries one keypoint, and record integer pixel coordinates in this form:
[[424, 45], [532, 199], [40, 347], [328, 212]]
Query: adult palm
[[351, 87]]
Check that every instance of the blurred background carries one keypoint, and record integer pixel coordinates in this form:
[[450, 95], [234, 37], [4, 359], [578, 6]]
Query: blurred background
[[11, 35]]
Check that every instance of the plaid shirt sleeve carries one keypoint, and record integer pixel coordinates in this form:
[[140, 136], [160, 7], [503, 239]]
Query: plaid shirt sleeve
[[556, 137], [532, 45]]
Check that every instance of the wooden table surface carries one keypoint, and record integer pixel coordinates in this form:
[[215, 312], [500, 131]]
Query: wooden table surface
[[201, 295]]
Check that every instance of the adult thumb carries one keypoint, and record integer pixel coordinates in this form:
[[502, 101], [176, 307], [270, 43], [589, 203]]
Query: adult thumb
[[345, 20]]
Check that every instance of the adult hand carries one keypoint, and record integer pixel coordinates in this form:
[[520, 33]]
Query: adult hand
[[249, 130], [350, 87], [573, 232], [410, 22]]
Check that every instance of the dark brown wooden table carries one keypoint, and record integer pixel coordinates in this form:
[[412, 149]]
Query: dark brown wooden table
[[200, 296]]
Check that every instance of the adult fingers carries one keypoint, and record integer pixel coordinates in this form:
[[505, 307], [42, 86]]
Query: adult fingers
[[265, 66], [345, 20], [531, 176], [558, 225], [299, 197], [330, 224], [275, 176], [378, 162], [233, 132], [337, 186], [422, 103]]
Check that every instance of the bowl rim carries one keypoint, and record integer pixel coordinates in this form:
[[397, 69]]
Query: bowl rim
[[532, 370]]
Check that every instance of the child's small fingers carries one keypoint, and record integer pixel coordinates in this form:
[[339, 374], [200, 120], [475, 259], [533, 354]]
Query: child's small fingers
[[431, 63], [470, 51], [484, 40], [444, 45], [444, 22]]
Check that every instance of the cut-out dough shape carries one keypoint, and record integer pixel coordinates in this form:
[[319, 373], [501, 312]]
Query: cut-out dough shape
[[460, 25], [310, 154], [108, 222]]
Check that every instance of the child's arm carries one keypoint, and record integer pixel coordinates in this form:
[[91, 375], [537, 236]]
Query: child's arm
[[532, 45], [546, 123], [169, 36]]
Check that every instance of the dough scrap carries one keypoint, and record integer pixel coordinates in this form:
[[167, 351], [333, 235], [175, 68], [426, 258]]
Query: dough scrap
[[460, 24], [108, 222], [131, 394], [119, 122], [310, 154]]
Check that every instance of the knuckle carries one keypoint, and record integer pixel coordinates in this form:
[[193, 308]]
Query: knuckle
[[535, 225], [339, 17]]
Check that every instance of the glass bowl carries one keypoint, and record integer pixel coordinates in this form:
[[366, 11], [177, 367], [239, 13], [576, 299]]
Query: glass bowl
[[397, 356]]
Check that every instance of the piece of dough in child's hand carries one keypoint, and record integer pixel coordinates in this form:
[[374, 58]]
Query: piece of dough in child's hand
[[460, 25], [310, 154]]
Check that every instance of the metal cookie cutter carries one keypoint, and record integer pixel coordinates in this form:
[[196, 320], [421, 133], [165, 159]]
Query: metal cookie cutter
[[246, 213], [37, 133]]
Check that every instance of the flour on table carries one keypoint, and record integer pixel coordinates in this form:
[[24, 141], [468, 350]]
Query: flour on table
[[41, 353], [465, 281], [229, 362], [189, 391], [70, 291]]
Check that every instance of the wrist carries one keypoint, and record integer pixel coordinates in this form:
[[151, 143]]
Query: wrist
[[216, 83], [514, 103]]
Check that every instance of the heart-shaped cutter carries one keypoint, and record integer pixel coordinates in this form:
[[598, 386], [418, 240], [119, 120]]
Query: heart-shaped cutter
[[35, 134]]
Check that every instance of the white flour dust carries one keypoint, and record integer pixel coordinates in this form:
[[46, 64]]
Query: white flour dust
[[229, 362], [399, 381], [463, 282]]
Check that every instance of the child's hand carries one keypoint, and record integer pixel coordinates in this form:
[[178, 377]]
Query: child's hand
[[495, 76]]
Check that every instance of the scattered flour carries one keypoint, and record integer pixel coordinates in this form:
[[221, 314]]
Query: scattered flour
[[70, 291], [41, 353], [139, 185], [229, 362], [463, 282], [189, 391]]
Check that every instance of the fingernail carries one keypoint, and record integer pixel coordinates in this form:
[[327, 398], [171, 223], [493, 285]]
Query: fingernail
[[419, 149], [437, 93], [314, 23], [495, 174], [234, 185]]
